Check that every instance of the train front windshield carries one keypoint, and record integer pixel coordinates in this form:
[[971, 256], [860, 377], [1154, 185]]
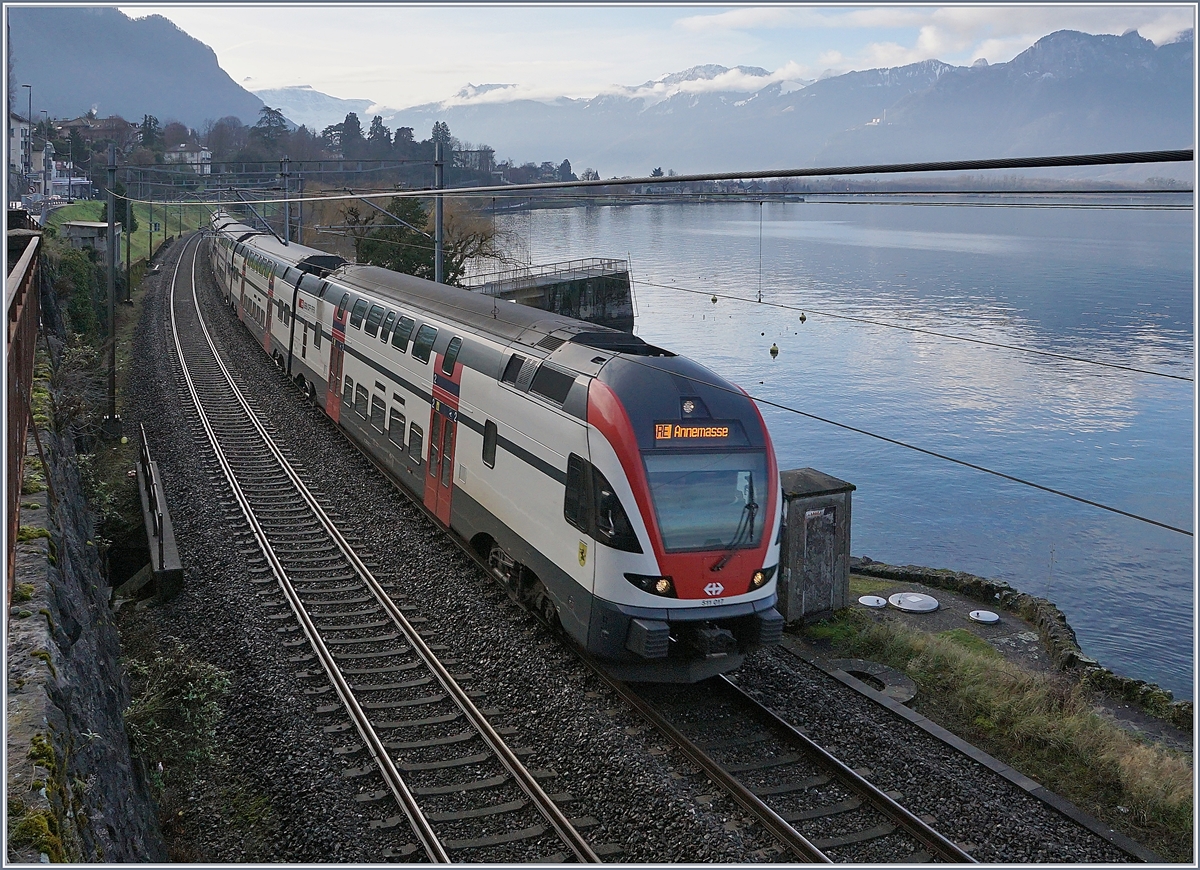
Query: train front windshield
[[703, 500]]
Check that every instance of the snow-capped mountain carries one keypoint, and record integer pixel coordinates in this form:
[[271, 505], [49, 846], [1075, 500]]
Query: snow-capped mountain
[[304, 105], [1070, 92]]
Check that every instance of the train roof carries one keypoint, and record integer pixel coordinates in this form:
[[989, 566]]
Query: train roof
[[506, 322]]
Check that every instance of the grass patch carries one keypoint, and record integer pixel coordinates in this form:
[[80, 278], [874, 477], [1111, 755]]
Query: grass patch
[[1040, 724], [22, 592], [971, 642], [173, 716], [139, 242], [860, 585]]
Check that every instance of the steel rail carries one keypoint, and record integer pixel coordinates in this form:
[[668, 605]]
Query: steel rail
[[527, 782], [421, 827], [800, 845], [941, 846]]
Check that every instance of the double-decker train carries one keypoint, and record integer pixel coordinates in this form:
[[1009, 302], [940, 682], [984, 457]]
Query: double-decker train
[[613, 486]]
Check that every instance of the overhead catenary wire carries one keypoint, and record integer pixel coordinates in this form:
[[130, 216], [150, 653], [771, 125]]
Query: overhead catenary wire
[[935, 454], [1056, 161]]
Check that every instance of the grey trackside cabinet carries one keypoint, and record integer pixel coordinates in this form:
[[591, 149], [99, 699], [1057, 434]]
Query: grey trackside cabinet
[[814, 561]]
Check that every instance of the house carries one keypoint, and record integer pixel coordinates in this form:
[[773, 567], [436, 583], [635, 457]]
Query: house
[[18, 143], [197, 157], [91, 130], [88, 234]]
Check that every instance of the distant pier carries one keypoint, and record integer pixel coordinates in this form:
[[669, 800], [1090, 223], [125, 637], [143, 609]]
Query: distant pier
[[596, 290]]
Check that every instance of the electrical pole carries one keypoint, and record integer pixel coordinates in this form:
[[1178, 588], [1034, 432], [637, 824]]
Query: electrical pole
[[284, 166], [437, 212], [128, 238], [111, 426], [300, 214]]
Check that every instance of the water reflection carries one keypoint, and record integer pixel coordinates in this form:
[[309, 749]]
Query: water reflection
[[1111, 286]]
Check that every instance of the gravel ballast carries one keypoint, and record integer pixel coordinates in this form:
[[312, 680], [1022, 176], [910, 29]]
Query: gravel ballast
[[276, 792]]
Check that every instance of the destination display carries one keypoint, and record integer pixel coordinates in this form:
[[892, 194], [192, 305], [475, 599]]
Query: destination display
[[709, 430]]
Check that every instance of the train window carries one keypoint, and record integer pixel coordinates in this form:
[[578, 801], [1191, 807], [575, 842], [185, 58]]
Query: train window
[[360, 401], [612, 526], [348, 392], [451, 356], [447, 452], [575, 503], [424, 342], [378, 412], [435, 436], [356, 313], [489, 444], [304, 342], [403, 333], [341, 309], [373, 317], [387, 325], [414, 442], [396, 428], [512, 369], [324, 287], [316, 333], [552, 383]]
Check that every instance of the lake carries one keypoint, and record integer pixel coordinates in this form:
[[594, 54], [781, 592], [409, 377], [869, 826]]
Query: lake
[[1114, 286]]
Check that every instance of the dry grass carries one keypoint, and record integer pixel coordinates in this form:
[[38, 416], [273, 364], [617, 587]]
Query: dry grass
[[1043, 725]]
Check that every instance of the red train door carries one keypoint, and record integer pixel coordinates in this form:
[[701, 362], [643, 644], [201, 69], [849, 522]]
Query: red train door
[[443, 431], [439, 482], [337, 354]]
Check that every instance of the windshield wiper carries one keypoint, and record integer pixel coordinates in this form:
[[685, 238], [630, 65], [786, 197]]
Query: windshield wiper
[[745, 526]]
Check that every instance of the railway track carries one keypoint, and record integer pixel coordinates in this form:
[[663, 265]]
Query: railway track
[[819, 808], [414, 729]]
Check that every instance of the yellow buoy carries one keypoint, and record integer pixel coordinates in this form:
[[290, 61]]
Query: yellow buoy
[[774, 350]]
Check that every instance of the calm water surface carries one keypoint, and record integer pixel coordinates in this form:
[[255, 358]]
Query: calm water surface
[[1114, 286]]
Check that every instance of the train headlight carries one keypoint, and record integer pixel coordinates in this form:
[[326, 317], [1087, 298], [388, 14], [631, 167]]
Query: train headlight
[[654, 584], [759, 578]]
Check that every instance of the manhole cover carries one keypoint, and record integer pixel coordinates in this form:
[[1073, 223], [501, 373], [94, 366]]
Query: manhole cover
[[913, 602], [984, 616], [872, 601]]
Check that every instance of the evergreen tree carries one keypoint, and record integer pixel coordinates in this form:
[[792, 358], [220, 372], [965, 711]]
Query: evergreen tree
[[271, 130], [120, 192], [151, 132], [352, 141], [379, 139], [401, 247]]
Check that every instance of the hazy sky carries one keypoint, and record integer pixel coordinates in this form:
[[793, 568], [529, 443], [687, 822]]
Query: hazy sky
[[405, 55]]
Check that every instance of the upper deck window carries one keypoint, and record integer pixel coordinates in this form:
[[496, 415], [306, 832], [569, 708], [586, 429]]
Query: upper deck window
[[356, 313], [403, 333], [451, 356], [551, 383], [424, 342], [373, 317], [387, 325]]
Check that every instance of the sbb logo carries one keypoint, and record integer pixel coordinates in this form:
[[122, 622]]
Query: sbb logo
[[714, 589]]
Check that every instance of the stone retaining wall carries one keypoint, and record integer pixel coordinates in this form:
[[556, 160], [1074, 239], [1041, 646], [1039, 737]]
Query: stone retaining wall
[[1055, 632], [74, 793]]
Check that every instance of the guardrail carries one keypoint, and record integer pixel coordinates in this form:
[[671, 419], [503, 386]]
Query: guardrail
[[24, 311], [165, 570]]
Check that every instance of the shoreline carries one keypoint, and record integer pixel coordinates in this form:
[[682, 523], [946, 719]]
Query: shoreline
[[1054, 630]]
